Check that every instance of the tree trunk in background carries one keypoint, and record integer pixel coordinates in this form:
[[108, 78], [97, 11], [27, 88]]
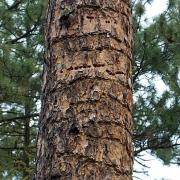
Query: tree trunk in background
[[86, 118], [27, 141]]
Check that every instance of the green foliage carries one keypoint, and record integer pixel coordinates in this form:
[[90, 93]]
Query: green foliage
[[20, 68], [139, 9], [157, 115]]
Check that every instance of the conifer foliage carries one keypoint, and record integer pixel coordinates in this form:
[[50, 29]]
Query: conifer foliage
[[20, 67], [156, 62]]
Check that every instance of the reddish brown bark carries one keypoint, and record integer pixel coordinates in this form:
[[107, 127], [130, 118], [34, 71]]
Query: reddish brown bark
[[86, 122]]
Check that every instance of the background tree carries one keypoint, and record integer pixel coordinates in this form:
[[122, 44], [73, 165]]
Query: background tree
[[157, 58], [20, 66]]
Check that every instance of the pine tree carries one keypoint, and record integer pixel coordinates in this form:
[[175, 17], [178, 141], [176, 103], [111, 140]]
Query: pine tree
[[85, 123], [157, 56], [20, 67]]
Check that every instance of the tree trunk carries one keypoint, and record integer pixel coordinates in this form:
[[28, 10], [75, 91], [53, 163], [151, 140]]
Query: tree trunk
[[26, 169], [85, 129]]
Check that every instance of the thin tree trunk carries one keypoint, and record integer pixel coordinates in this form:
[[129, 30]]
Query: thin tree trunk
[[86, 118], [26, 172]]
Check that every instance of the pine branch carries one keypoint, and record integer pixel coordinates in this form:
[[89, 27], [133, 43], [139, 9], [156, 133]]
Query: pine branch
[[16, 148], [156, 147], [19, 118], [13, 41], [12, 148]]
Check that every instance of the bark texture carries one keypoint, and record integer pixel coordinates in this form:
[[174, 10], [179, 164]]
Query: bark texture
[[86, 118]]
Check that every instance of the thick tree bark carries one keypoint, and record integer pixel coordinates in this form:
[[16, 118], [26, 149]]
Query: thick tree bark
[[86, 118]]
